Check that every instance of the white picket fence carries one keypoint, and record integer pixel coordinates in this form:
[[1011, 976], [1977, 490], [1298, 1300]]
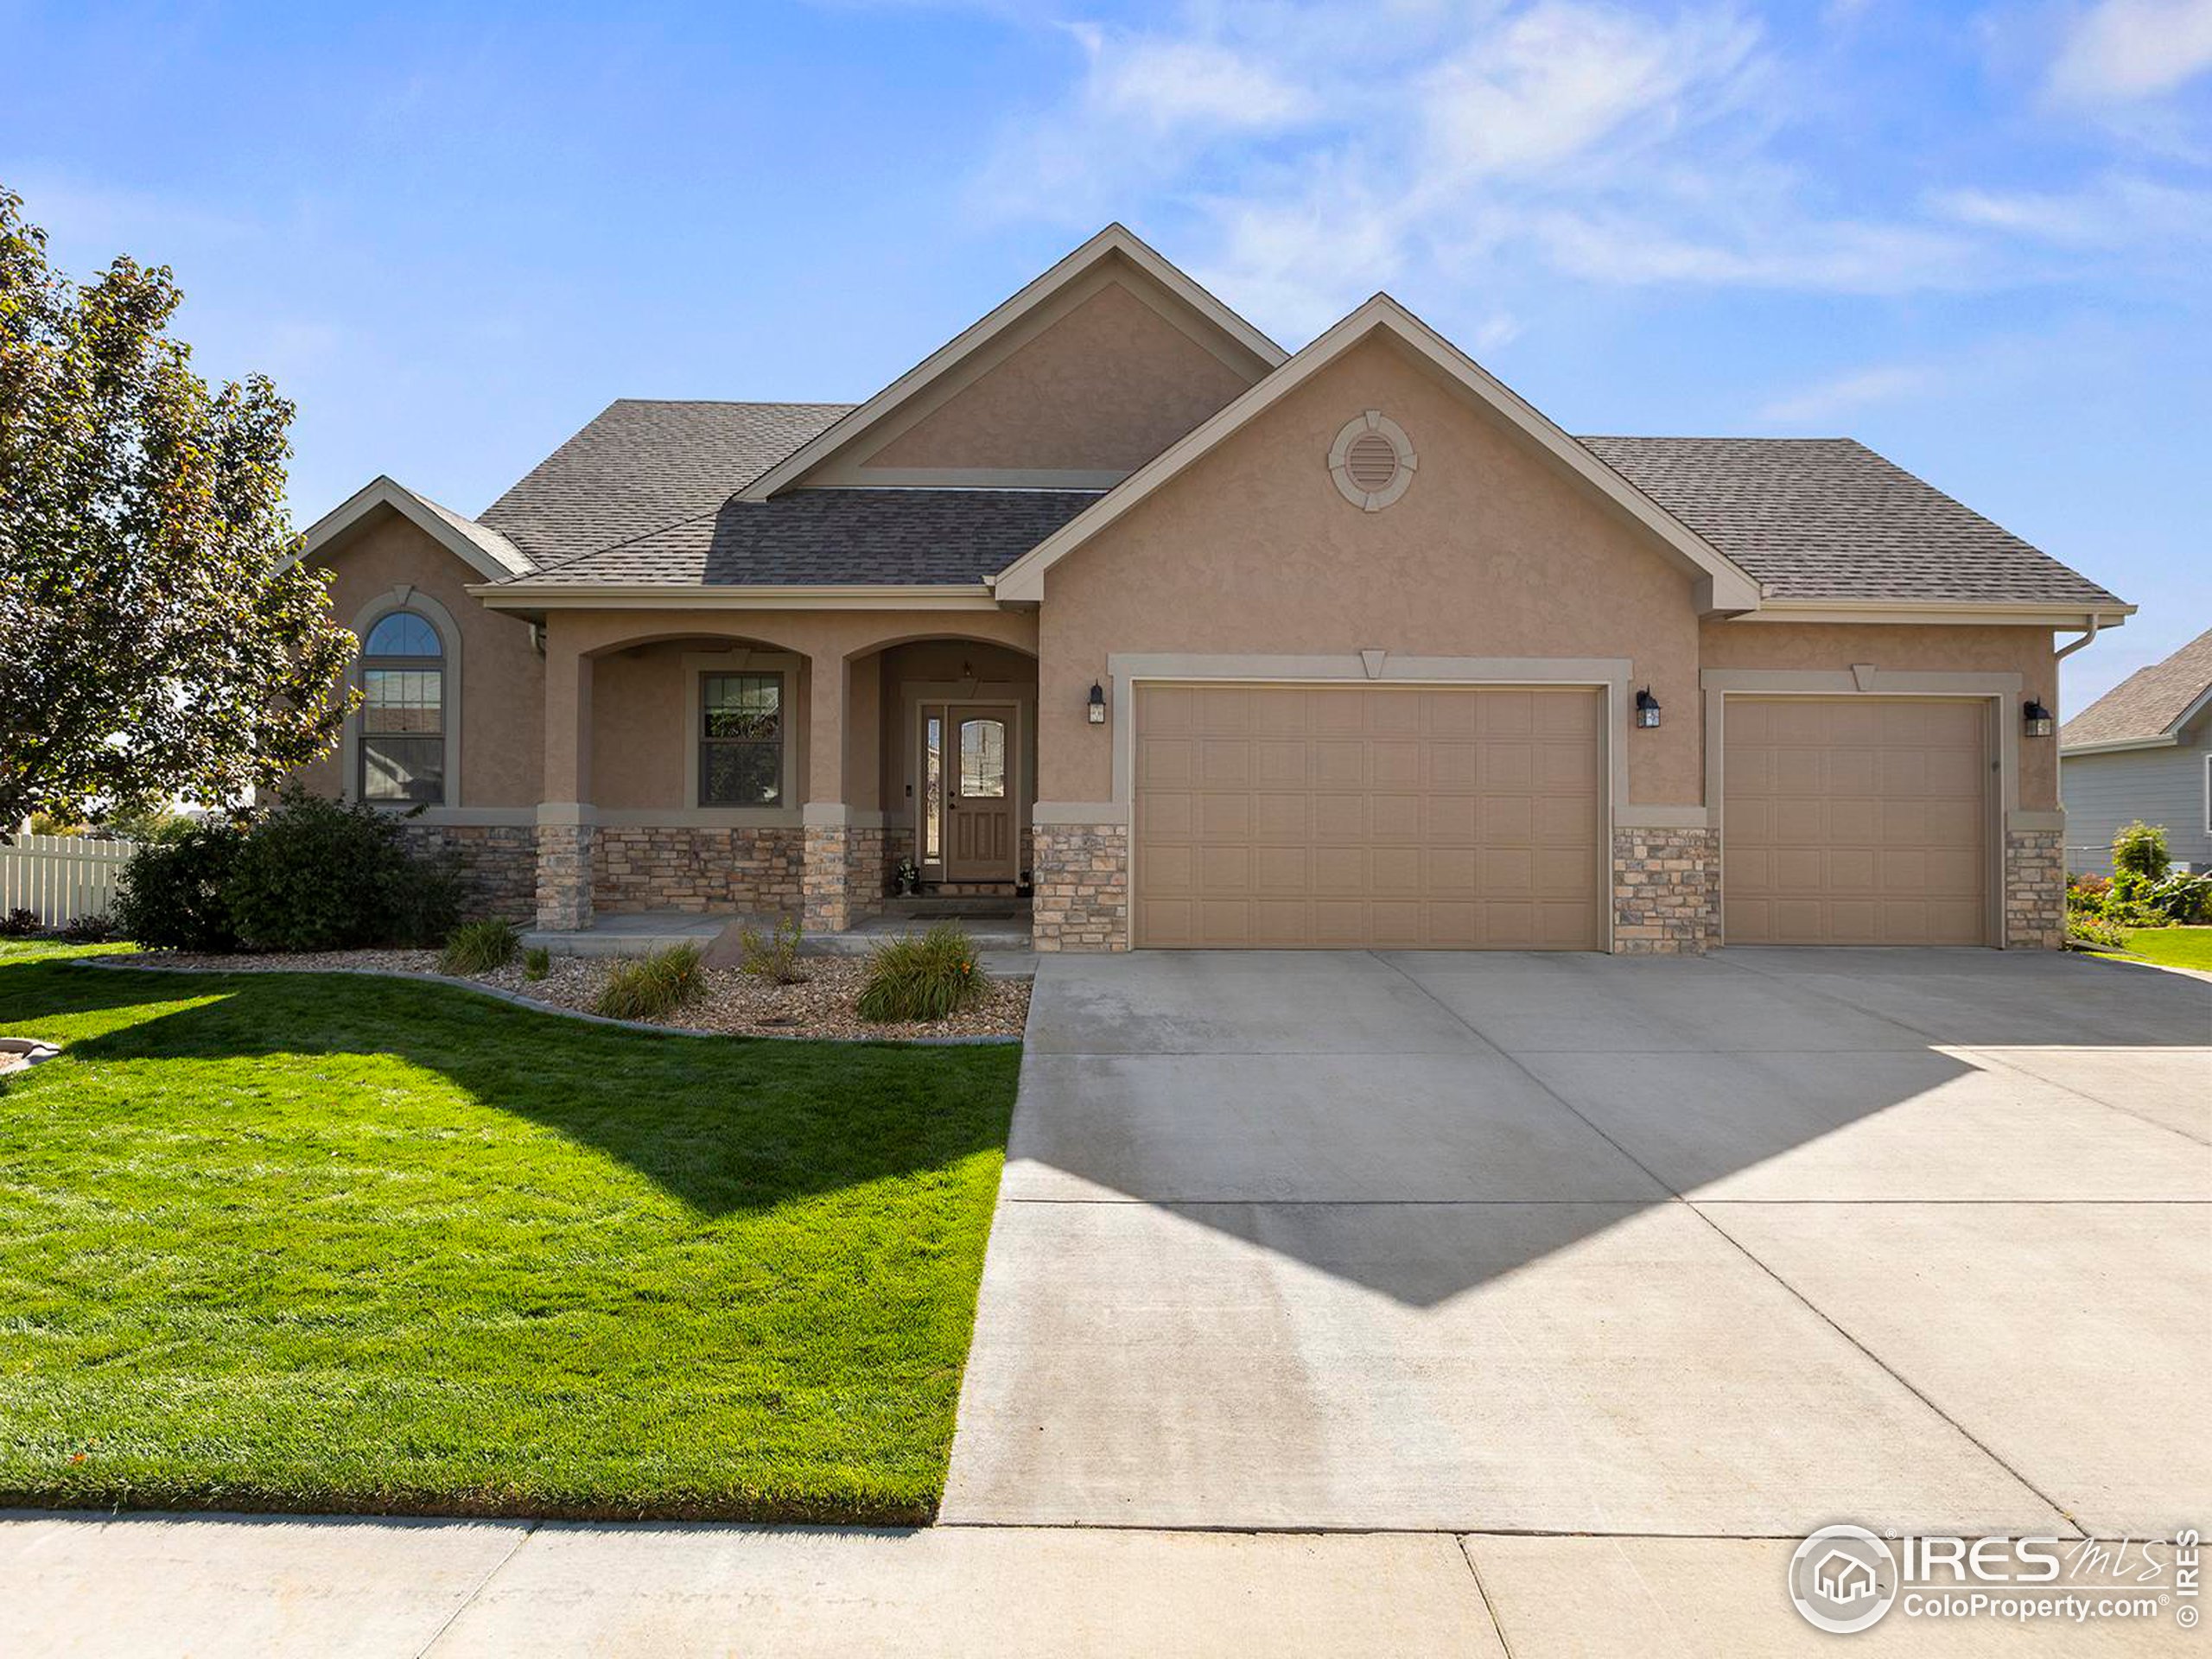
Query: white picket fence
[[60, 878]]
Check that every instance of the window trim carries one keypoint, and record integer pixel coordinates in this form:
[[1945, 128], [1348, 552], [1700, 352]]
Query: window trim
[[785, 667], [2208, 791], [407, 597]]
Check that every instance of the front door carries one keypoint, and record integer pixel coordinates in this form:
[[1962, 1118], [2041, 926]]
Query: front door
[[979, 792]]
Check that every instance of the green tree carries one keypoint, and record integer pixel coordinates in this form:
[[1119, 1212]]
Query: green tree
[[158, 636]]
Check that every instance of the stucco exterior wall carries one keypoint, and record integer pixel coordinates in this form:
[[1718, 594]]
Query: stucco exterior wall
[[1908, 648], [1495, 551], [502, 677], [1107, 386]]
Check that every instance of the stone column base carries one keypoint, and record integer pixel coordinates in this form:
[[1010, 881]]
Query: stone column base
[[826, 885], [2035, 889], [1082, 877], [1666, 891], [564, 876]]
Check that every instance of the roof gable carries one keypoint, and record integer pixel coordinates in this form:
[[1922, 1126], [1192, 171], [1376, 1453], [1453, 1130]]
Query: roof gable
[[482, 549], [1722, 585], [1034, 346], [2150, 707]]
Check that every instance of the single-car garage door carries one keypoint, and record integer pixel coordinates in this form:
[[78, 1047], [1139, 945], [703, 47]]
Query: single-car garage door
[[1855, 820], [1350, 815]]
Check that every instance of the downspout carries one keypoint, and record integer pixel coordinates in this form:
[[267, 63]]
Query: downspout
[[2097, 622]]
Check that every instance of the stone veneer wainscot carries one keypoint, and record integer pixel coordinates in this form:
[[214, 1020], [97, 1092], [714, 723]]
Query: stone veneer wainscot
[[1082, 875]]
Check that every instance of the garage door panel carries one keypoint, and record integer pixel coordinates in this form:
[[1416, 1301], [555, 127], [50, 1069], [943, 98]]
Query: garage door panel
[[1393, 818], [1223, 816], [1282, 819], [1346, 816], [1855, 820], [1170, 763]]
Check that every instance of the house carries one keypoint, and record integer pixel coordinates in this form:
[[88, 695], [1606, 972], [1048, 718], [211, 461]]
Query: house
[[1844, 1579], [2143, 750], [1217, 644]]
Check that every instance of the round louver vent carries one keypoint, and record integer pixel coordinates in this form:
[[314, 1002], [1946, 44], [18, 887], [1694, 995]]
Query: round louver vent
[[1372, 462]]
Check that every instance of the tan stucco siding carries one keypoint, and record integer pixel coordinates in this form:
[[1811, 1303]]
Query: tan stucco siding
[[1104, 388], [1495, 551], [502, 677], [1908, 649]]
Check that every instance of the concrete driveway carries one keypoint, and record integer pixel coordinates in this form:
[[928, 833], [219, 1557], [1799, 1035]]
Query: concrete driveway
[[1722, 1248]]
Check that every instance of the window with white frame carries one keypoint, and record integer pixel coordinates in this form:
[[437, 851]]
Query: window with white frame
[[402, 717], [741, 740]]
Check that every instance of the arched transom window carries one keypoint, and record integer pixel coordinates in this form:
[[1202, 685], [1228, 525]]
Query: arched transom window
[[403, 711]]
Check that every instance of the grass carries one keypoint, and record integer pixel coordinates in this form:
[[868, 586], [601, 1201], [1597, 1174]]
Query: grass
[[304, 1242], [2169, 947]]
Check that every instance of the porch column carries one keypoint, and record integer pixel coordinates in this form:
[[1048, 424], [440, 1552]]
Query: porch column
[[564, 811], [826, 883]]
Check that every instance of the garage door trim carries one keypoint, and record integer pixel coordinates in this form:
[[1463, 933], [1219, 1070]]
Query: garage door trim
[[1999, 692], [1128, 671]]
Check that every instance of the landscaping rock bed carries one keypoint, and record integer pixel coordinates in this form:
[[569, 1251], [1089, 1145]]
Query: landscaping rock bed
[[737, 1003]]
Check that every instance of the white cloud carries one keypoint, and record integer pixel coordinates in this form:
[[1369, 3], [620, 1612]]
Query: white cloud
[[1847, 392], [1169, 82], [2117, 211], [1300, 153], [1557, 82], [2119, 51]]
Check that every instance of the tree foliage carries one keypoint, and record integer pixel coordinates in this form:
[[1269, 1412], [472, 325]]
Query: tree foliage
[[158, 636]]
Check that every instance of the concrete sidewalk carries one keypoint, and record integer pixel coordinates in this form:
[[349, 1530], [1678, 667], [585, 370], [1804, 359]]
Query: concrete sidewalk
[[170, 1587]]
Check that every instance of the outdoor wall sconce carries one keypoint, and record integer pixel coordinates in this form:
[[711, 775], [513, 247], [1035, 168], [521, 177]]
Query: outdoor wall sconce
[[1647, 710], [1097, 703], [2037, 718]]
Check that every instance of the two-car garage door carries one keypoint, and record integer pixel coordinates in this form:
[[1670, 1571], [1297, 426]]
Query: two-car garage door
[[1346, 816]]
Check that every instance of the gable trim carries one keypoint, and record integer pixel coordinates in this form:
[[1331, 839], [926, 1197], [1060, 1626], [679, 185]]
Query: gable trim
[[1114, 240], [1722, 584], [484, 551]]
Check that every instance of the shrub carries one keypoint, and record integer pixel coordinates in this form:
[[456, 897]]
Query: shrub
[[2095, 931], [479, 947], [652, 987], [88, 930], [536, 963], [176, 892], [2185, 899], [18, 924], [2087, 891], [924, 978], [2139, 850], [774, 958], [316, 875]]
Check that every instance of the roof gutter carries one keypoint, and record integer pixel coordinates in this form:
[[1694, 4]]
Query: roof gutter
[[1954, 611]]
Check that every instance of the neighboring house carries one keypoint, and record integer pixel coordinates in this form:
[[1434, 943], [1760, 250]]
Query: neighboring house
[[1220, 645], [2143, 750]]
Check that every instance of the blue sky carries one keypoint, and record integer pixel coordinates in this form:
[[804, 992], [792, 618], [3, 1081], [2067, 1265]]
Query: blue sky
[[1974, 235]]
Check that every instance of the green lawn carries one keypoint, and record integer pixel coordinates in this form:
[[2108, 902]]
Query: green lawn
[[308, 1243], [2171, 947]]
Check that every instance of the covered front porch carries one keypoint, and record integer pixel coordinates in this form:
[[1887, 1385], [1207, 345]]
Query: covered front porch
[[706, 765]]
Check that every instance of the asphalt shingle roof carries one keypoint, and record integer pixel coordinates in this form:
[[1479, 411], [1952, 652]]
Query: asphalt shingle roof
[[643, 465], [2148, 701], [642, 495], [865, 536], [1829, 519]]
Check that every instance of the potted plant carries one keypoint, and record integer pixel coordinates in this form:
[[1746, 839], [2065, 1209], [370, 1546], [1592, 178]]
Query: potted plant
[[906, 880], [1024, 888]]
